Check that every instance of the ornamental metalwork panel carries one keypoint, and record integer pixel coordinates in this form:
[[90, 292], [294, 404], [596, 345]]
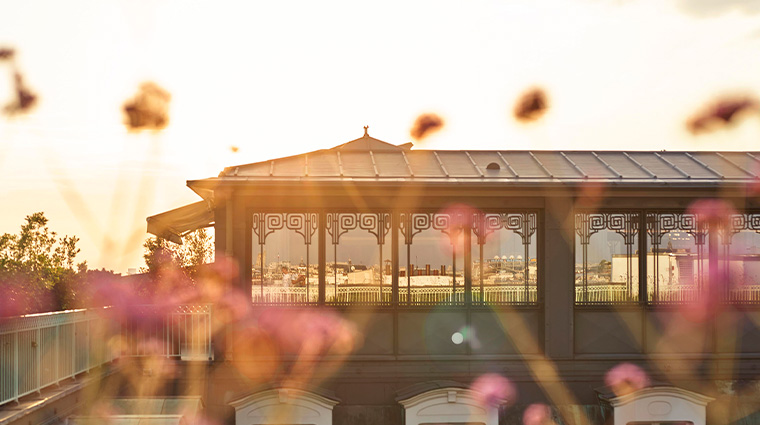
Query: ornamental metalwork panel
[[305, 224], [378, 224], [451, 224]]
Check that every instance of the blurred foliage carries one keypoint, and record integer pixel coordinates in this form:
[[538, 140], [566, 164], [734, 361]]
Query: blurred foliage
[[163, 257], [37, 271]]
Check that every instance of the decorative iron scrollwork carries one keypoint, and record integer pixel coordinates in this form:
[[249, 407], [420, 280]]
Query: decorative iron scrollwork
[[659, 224], [305, 224], [624, 224], [378, 224], [524, 224]]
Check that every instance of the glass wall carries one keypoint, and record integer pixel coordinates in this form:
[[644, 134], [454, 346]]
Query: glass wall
[[677, 256], [606, 257], [431, 256], [358, 258], [740, 257], [504, 263], [285, 250]]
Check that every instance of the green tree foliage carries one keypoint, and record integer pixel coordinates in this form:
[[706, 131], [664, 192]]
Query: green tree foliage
[[37, 271], [162, 257]]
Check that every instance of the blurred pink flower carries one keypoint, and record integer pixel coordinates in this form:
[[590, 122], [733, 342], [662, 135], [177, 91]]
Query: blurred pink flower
[[537, 414], [626, 378], [713, 215], [308, 331], [493, 389]]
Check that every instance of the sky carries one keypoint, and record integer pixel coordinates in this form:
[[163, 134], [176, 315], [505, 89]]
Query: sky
[[280, 78]]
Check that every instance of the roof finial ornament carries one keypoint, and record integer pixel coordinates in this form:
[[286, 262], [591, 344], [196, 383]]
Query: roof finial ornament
[[365, 131]]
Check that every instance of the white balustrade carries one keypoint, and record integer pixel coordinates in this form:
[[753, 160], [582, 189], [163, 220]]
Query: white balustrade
[[39, 350]]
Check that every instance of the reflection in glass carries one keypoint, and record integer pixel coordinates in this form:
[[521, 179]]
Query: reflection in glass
[[677, 257], [504, 266], [285, 248], [740, 257], [432, 260], [606, 264], [360, 270]]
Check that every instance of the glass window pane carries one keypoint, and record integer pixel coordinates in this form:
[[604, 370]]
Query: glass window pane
[[677, 257], [285, 249], [740, 258], [431, 253], [606, 258], [358, 266], [504, 265]]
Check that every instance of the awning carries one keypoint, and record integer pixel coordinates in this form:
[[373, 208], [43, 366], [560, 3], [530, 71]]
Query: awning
[[174, 224]]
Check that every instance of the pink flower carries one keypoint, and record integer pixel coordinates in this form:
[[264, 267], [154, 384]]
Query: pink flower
[[626, 378], [537, 414], [493, 389]]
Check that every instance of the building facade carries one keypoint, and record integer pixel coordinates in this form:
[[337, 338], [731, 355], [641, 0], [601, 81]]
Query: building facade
[[424, 271]]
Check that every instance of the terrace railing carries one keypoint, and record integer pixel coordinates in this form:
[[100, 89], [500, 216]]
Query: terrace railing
[[184, 331], [415, 295], [597, 294], [504, 294], [40, 350]]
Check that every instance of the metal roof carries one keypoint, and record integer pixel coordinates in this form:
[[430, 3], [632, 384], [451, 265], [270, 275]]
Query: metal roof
[[370, 159]]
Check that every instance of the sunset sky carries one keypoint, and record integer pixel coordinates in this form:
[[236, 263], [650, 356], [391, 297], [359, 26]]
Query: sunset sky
[[282, 78]]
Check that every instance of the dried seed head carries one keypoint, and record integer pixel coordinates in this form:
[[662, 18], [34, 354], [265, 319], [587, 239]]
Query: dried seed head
[[531, 105], [149, 109], [6, 53], [425, 125], [721, 113], [24, 100]]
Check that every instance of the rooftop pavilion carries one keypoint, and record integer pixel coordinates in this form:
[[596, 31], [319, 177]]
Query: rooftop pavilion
[[550, 268]]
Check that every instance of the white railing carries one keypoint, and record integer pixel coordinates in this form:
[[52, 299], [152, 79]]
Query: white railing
[[744, 294], [415, 295], [183, 331], [358, 294], [39, 350], [673, 294], [506, 294]]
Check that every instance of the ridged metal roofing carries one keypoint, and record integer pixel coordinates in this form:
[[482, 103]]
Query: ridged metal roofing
[[367, 158]]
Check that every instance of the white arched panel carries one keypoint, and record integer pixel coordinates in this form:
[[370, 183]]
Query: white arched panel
[[284, 406], [660, 404], [448, 406]]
